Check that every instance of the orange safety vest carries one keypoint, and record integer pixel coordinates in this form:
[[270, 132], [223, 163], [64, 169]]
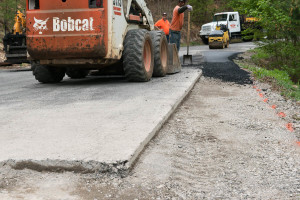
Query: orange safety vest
[[164, 25]]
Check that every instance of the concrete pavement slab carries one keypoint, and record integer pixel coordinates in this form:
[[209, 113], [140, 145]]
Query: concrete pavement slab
[[94, 124]]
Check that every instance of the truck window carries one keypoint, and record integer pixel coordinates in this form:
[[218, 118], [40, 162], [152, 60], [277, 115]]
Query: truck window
[[96, 3], [33, 4], [221, 17], [232, 17]]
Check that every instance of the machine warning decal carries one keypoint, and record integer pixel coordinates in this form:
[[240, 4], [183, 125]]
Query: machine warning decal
[[40, 25], [117, 7]]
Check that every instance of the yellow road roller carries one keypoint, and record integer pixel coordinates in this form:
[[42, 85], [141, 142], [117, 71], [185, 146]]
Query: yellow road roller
[[219, 39]]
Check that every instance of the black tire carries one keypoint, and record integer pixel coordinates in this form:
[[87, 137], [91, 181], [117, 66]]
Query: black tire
[[160, 51], [227, 44], [33, 65], [138, 59], [205, 41], [46, 74], [77, 73]]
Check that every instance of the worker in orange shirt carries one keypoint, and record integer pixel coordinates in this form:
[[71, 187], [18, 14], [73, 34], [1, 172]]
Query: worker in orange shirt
[[177, 22], [164, 25]]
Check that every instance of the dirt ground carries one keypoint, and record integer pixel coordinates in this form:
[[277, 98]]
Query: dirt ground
[[224, 142], [2, 54]]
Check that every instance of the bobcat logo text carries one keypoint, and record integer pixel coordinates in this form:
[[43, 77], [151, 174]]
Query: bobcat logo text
[[64, 25], [73, 24]]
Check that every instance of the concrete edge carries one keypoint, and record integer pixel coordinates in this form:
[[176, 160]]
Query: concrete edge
[[121, 168], [137, 153], [58, 166]]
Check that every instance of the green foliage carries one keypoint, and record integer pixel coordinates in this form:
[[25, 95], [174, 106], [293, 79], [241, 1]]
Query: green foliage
[[280, 19], [281, 55], [204, 10], [8, 10], [248, 34], [259, 56]]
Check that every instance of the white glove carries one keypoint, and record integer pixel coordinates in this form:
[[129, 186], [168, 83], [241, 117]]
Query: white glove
[[190, 8]]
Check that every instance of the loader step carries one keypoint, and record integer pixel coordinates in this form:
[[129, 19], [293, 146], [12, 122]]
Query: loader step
[[17, 47], [15, 55]]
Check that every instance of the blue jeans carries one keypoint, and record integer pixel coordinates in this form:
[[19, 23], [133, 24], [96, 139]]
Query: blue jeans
[[168, 38], [175, 38]]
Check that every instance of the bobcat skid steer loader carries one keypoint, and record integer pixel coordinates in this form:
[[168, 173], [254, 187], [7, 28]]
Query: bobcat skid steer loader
[[72, 37]]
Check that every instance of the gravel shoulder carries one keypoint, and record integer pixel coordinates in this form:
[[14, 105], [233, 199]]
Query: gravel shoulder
[[287, 109]]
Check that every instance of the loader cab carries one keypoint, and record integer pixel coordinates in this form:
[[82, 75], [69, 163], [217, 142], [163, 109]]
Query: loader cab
[[135, 14], [134, 9]]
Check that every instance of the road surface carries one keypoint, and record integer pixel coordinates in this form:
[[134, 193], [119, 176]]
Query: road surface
[[223, 142]]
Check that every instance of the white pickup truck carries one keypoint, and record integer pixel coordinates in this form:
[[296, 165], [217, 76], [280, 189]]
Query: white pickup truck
[[231, 19]]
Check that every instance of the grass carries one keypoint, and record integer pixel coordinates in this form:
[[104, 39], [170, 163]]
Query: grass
[[282, 55], [259, 54], [278, 63], [279, 79]]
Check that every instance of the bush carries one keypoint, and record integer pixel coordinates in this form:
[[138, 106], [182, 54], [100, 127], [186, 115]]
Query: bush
[[282, 55], [279, 79]]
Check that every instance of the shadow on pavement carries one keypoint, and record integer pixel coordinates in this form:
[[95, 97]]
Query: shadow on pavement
[[92, 80]]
